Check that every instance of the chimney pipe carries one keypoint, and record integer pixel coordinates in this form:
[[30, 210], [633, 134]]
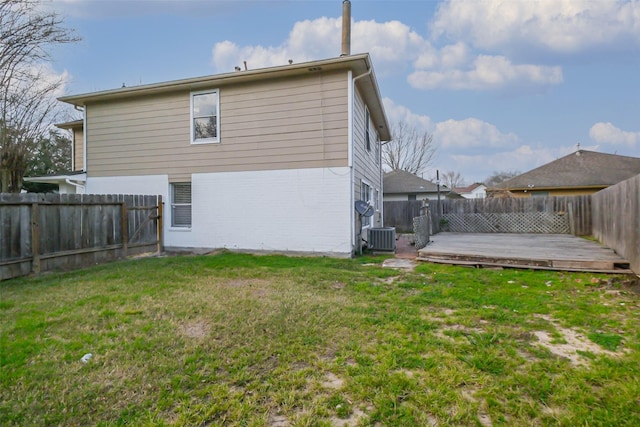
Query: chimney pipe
[[346, 28]]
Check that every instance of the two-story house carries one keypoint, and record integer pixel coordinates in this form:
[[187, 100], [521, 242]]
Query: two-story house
[[270, 159]]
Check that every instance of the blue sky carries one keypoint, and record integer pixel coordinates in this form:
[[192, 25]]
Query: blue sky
[[501, 84]]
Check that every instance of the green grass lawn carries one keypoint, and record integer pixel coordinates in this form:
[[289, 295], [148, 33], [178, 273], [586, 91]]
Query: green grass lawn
[[236, 339]]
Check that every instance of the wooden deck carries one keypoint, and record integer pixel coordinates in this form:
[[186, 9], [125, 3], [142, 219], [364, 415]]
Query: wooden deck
[[537, 251]]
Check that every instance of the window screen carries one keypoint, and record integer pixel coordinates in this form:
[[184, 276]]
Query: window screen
[[181, 204]]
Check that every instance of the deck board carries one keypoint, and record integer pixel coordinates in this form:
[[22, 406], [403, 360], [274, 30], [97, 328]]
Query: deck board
[[545, 251]]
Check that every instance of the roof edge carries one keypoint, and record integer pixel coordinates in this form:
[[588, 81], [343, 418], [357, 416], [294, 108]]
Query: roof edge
[[195, 82]]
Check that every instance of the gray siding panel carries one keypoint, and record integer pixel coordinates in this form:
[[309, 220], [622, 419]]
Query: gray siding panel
[[365, 166]]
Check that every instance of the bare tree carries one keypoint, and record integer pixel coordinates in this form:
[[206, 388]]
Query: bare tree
[[27, 90], [410, 150], [452, 179], [498, 177]]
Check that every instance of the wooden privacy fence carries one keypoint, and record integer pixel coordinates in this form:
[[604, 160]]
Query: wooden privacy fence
[[40, 232], [400, 214], [570, 214], [616, 219]]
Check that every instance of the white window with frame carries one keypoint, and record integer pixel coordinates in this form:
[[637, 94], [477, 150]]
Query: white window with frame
[[181, 205], [377, 149], [366, 195], [205, 117]]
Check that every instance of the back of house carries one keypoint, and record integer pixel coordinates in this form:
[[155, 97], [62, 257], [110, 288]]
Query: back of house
[[270, 159]]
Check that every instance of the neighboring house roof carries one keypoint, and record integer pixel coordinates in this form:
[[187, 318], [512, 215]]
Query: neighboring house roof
[[79, 176], [400, 182], [359, 64], [70, 125], [579, 169], [468, 189]]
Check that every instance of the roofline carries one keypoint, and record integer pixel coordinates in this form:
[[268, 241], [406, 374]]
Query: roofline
[[360, 64], [230, 77], [70, 125], [504, 185], [78, 176]]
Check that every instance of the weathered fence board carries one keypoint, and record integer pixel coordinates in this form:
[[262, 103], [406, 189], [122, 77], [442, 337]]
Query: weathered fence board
[[40, 232], [400, 214], [616, 219]]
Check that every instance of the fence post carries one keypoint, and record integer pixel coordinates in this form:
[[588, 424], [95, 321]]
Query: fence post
[[125, 228], [35, 238], [572, 221], [159, 224]]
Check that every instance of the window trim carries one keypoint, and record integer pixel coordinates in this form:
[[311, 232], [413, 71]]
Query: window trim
[[192, 117], [367, 221], [173, 205]]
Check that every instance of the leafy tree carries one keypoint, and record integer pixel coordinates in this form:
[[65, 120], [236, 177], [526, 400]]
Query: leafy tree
[[27, 90], [51, 155], [452, 179], [410, 150], [498, 177]]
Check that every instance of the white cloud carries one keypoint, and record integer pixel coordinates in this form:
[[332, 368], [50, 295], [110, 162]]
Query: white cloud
[[486, 73], [471, 132], [394, 48], [391, 44], [397, 113], [563, 26], [607, 133], [477, 167]]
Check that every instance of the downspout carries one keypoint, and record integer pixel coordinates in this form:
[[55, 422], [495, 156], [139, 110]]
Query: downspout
[[73, 150], [80, 186], [84, 141], [84, 138], [350, 157]]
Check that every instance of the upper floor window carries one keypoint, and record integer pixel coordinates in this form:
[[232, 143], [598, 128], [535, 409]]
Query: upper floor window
[[205, 117]]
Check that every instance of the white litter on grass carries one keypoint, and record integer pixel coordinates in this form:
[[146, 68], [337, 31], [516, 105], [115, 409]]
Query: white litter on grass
[[86, 357]]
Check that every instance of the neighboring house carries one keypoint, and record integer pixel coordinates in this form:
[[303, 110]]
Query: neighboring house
[[473, 191], [69, 182], [400, 185], [269, 159], [581, 172]]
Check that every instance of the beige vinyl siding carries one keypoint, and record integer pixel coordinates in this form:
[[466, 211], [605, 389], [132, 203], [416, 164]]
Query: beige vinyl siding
[[78, 149], [280, 124]]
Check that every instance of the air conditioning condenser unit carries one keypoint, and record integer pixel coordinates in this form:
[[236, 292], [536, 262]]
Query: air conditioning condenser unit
[[382, 239]]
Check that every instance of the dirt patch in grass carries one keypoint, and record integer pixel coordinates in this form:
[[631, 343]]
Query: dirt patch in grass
[[197, 329], [575, 342], [278, 421], [332, 381], [356, 415]]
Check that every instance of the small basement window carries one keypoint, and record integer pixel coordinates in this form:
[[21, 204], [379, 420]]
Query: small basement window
[[181, 204], [205, 117]]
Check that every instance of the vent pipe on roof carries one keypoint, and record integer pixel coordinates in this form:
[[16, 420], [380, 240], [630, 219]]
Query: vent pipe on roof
[[346, 28]]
